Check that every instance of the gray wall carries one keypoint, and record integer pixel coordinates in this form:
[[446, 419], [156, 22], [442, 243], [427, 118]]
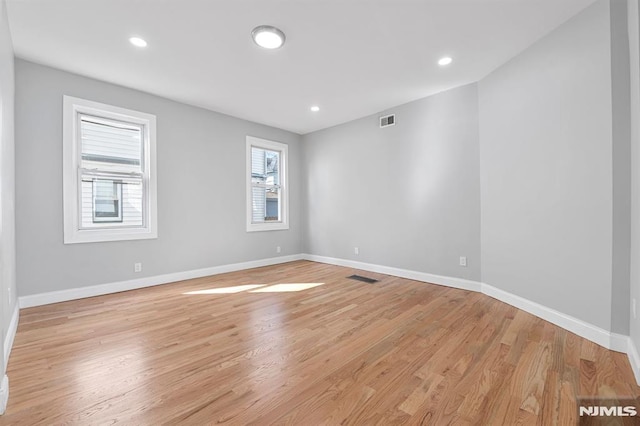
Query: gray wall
[[408, 196], [7, 190], [634, 49], [201, 189], [621, 122], [546, 170]]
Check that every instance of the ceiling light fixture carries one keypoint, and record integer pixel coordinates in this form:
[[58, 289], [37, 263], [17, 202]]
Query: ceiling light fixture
[[138, 42], [315, 108], [268, 37], [445, 61]]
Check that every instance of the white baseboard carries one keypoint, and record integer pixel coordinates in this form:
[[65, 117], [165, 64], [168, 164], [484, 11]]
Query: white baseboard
[[101, 289], [11, 334], [397, 272], [602, 337], [609, 340], [634, 358], [4, 393]]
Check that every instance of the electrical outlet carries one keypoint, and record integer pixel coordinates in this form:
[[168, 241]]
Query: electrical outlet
[[356, 251], [633, 308], [137, 267], [278, 249], [463, 260]]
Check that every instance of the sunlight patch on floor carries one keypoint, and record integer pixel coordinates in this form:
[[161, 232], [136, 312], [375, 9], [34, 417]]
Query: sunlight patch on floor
[[258, 288], [283, 288], [227, 290]]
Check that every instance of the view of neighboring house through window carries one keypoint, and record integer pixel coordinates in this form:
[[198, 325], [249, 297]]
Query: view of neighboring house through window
[[266, 185], [109, 173], [111, 169], [267, 195]]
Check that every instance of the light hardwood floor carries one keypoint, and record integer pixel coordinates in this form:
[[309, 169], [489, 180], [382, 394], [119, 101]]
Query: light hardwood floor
[[342, 352]]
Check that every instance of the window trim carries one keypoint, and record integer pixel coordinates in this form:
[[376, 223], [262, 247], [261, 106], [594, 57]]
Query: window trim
[[283, 224], [71, 162]]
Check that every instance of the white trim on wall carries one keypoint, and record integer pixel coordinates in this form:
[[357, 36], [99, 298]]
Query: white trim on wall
[[283, 149], [634, 359], [607, 339], [7, 345], [72, 163], [4, 393], [101, 289], [11, 334], [402, 273]]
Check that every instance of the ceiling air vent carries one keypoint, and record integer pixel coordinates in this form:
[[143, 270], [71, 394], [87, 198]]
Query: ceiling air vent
[[388, 120]]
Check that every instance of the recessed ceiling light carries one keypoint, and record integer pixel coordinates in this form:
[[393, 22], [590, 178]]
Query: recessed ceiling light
[[268, 37], [315, 108], [138, 42], [445, 61]]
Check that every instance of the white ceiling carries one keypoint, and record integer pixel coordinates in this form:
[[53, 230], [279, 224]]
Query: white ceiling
[[351, 57]]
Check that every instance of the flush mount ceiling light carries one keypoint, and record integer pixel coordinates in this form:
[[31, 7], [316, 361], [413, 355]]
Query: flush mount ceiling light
[[268, 37], [138, 42], [315, 108], [444, 61]]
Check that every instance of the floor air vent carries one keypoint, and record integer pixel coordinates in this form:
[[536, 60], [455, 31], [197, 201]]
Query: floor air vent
[[388, 120], [363, 279]]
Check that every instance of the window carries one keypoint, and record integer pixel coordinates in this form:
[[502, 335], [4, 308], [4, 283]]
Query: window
[[267, 194], [109, 173]]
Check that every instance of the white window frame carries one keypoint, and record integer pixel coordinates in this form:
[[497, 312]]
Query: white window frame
[[284, 185], [72, 108]]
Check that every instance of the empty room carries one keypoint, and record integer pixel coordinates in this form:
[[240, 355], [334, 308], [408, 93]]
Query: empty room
[[369, 212]]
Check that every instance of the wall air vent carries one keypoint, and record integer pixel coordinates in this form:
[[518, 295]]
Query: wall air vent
[[388, 120]]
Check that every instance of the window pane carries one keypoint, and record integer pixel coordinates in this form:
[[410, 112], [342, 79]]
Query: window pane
[[257, 165], [111, 203], [266, 204], [107, 201], [265, 166], [273, 205], [272, 159], [111, 142]]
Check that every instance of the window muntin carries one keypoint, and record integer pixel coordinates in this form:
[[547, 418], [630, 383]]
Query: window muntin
[[267, 192], [108, 163]]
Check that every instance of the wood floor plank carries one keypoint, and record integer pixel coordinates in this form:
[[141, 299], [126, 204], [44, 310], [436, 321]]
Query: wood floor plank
[[229, 349]]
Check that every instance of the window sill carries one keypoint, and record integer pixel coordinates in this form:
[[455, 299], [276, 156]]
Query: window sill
[[259, 227], [100, 235]]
